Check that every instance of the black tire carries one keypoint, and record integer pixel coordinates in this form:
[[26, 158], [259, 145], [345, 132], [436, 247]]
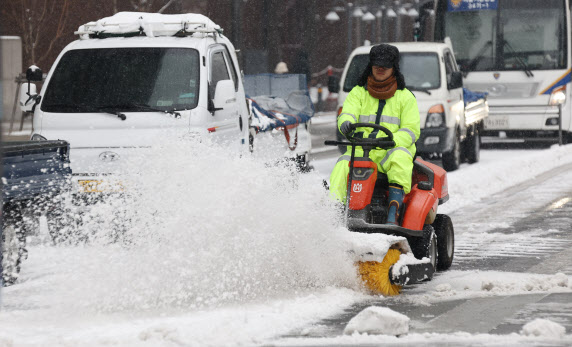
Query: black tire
[[13, 245], [452, 160], [473, 145], [445, 241], [426, 246]]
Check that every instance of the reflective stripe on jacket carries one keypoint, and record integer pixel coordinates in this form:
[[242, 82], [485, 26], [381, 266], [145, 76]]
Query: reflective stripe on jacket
[[399, 114]]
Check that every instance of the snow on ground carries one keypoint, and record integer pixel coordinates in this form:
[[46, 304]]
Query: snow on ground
[[431, 339], [499, 170], [226, 251], [475, 284]]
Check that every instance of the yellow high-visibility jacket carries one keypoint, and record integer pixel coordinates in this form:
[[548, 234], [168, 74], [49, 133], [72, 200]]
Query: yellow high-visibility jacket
[[400, 114]]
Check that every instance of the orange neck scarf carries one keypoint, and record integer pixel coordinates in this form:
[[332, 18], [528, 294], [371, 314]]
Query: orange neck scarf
[[382, 90]]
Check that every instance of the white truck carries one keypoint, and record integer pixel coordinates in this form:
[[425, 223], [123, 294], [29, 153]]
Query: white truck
[[132, 76], [450, 122]]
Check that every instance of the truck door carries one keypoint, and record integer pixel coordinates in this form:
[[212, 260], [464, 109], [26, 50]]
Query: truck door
[[455, 96], [226, 117]]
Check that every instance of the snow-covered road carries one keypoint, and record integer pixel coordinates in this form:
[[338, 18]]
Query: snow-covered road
[[248, 254]]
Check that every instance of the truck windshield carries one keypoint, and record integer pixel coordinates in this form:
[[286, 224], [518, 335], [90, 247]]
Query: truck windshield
[[420, 69], [513, 35], [88, 80]]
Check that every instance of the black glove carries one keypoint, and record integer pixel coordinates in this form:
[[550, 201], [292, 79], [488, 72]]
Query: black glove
[[346, 128]]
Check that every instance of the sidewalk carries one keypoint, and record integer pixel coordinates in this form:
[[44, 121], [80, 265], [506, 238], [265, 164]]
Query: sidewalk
[[16, 134]]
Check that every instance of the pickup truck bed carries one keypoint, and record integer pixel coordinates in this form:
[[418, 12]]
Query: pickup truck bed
[[34, 174], [34, 169]]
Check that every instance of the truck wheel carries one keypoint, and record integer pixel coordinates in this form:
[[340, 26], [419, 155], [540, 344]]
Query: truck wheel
[[452, 160], [426, 246], [13, 245], [445, 241], [473, 146]]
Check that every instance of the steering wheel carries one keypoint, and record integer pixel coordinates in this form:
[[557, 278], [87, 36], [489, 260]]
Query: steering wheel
[[387, 132], [381, 142]]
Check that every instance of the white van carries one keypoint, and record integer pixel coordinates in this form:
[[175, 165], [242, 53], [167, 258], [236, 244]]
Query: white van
[[131, 77], [449, 128]]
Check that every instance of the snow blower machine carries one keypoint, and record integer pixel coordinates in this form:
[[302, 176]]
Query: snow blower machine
[[421, 243]]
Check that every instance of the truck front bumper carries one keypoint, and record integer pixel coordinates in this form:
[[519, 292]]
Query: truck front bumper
[[435, 140]]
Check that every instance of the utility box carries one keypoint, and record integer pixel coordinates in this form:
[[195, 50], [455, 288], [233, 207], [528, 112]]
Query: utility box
[[10, 68]]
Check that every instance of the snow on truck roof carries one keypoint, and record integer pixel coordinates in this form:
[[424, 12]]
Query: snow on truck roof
[[126, 24]]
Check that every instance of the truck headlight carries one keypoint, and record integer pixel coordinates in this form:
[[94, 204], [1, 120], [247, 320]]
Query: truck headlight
[[558, 96], [435, 117], [38, 137]]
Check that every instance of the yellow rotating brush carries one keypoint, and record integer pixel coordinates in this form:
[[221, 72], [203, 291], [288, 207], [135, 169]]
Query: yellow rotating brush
[[375, 275]]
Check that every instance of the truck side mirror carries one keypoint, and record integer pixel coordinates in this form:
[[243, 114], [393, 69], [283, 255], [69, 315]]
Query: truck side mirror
[[34, 74], [456, 80], [224, 94], [28, 97], [333, 84]]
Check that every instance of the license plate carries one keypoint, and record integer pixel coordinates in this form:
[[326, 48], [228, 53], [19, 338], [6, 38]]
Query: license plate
[[496, 122], [99, 186]]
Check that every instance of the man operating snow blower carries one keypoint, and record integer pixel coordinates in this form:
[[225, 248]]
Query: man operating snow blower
[[381, 98]]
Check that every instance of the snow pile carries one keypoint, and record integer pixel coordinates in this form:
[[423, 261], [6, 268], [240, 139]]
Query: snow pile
[[543, 328], [378, 320]]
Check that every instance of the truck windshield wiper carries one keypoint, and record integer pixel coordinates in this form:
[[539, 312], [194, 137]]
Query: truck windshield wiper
[[525, 67], [473, 62], [150, 108], [83, 108], [413, 89], [116, 113]]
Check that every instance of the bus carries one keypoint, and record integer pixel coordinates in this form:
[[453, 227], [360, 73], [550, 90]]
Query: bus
[[518, 51]]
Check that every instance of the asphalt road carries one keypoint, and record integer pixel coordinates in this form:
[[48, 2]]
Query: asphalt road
[[532, 222]]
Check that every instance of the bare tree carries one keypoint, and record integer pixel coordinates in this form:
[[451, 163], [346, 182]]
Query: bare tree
[[41, 24], [147, 5]]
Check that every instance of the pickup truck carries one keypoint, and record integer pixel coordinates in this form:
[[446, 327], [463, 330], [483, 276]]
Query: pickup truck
[[34, 175], [133, 79], [451, 116]]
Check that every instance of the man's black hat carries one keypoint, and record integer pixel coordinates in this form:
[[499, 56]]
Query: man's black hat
[[384, 55]]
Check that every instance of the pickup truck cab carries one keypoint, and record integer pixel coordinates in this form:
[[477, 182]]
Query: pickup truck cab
[[449, 130], [132, 80]]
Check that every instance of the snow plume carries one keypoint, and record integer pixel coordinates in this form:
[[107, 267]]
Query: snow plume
[[204, 228]]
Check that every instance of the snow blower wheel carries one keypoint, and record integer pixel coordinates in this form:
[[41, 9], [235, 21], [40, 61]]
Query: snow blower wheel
[[445, 241], [375, 275]]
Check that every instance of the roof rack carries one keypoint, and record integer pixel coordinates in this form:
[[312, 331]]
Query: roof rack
[[129, 24]]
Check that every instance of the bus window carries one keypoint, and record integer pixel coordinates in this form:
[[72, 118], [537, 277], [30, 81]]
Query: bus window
[[511, 35]]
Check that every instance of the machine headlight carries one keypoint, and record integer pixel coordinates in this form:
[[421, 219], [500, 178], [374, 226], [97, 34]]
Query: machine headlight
[[558, 96], [362, 173], [435, 117]]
